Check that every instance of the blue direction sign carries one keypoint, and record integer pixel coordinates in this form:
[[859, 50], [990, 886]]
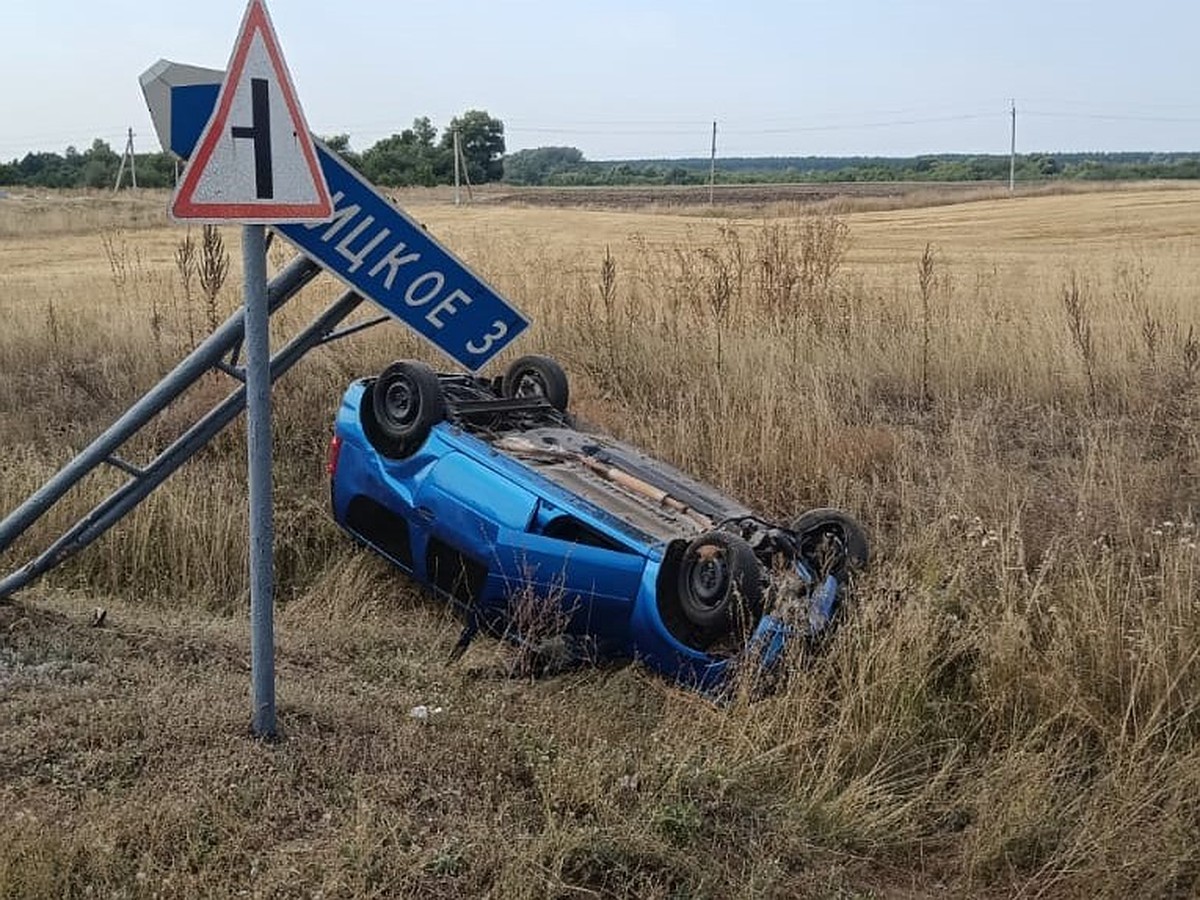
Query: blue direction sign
[[370, 244]]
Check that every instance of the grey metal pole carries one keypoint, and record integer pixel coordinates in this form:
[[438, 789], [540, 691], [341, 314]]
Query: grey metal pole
[[457, 157], [120, 171], [258, 443], [712, 168], [1012, 153]]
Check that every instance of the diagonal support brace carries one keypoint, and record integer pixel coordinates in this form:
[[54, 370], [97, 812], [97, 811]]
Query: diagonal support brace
[[283, 287], [114, 507]]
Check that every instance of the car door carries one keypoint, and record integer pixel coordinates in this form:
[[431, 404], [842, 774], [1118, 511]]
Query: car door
[[589, 577], [465, 504]]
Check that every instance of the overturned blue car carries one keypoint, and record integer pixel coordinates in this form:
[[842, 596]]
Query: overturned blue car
[[488, 492]]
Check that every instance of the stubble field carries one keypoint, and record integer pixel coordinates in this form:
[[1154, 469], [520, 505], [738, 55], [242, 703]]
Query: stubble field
[[1005, 390]]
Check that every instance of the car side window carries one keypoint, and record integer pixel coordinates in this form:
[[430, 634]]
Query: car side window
[[566, 528]]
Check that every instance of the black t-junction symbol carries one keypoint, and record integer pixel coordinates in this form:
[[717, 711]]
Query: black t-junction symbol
[[260, 133]]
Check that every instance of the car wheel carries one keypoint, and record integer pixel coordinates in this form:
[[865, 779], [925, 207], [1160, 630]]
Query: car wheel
[[720, 585], [406, 402], [832, 542], [537, 376]]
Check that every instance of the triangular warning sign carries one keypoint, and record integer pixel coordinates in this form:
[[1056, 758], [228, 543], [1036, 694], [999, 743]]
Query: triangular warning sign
[[255, 161]]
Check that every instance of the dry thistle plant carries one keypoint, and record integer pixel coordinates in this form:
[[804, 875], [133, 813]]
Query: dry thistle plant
[[116, 252], [720, 292], [1131, 284], [926, 275], [1189, 357], [536, 628], [52, 328], [608, 298], [185, 266], [214, 267], [1079, 324], [279, 251], [823, 242], [777, 268]]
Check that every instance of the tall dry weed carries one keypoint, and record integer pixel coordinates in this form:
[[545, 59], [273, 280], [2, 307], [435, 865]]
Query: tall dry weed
[[187, 267], [1075, 301], [212, 272]]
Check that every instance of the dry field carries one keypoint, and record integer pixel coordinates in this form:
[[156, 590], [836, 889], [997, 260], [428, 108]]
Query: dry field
[[1006, 390]]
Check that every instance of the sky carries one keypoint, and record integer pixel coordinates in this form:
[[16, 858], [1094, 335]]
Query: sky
[[625, 79]]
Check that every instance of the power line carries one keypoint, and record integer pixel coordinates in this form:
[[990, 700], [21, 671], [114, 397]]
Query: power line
[[799, 129], [732, 129], [1107, 104], [1112, 117], [856, 126]]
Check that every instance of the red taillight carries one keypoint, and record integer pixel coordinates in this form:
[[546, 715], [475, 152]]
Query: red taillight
[[335, 449]]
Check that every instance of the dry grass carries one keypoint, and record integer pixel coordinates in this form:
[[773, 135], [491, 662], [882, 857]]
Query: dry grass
[[1011, 709]]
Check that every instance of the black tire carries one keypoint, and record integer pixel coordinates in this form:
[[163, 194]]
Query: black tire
[[537, 376], [406, 402], [720, 586], [832, 542]]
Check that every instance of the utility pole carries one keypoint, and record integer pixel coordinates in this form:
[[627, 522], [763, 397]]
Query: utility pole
[[462, 165], [712, 167], [127, 156], [1012, 152], [457, 156]]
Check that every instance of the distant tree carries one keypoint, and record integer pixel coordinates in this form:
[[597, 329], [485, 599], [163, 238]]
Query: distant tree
[[1186, 168], [423, 132], [407, 158], [482, 140], [340, 144], [536, 165], [678, 175], [99, 165], [1044, 165], [389, 161], [95, 174], [46, 170], [101, 150], [9, 173], [435, 163], [156, 170], [1092, 170]]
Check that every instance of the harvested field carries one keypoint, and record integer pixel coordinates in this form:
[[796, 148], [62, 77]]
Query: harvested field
[[1006, 390], [726, 195]]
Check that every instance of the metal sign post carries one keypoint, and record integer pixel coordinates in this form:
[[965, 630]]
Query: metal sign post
[[258, 443], [255, 163]]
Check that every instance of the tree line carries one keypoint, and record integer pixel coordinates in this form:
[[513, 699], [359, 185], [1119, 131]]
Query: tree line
[[565, 166], [419, 155], [416, 156]]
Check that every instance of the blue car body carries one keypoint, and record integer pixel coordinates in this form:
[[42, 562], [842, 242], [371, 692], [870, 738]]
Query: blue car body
[[509, 508]]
